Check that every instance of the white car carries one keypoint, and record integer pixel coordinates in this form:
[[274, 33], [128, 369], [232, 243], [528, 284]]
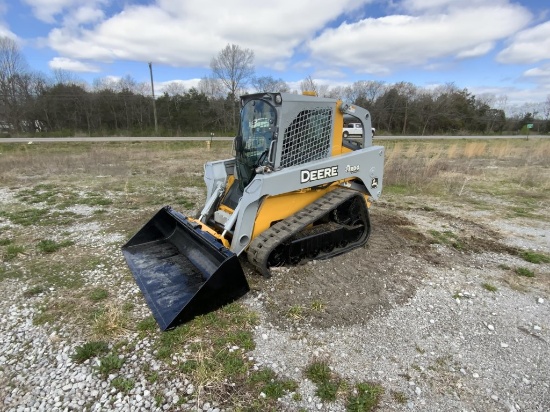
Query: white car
[[354, 129]]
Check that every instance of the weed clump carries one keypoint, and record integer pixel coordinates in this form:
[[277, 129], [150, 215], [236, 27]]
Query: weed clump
[[489, 287], [270, 385], [108, 364], [98, 294], [327, 383], [535, 257], [365, 397], [89, 350], [12, 251], [35, 290], [524, 272], [122, 384], [51, 246]]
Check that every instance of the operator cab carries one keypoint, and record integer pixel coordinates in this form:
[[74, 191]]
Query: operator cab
[[252, 144]]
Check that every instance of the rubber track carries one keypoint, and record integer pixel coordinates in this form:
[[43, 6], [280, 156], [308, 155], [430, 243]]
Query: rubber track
[[261, 247]]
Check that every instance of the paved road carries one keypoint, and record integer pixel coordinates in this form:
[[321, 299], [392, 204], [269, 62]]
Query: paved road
[[105, 139], [160, 139]]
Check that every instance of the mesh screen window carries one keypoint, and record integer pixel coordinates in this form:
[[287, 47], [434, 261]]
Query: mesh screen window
[[308, 137]]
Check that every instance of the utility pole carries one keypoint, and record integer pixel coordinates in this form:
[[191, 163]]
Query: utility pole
[[154, 103]]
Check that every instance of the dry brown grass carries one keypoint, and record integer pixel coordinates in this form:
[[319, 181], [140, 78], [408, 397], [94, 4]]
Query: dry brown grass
[[475, 149], [111, 322], [114, 159], [448, 167]]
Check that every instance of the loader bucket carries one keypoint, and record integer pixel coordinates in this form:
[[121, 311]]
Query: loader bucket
[[182, 271]]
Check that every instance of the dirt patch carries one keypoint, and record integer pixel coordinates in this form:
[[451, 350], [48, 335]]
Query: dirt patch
[[351, 288]]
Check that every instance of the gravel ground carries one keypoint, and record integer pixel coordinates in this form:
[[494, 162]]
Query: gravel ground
[[433, 336]]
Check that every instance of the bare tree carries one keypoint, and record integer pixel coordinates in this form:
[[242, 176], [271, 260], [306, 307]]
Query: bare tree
[[234, 67], [546, 109], [14, 83], [269, 84], [309, 85], [104, 83], [365, 92], [174, 88], [66, 77], [336, 92], [11, 59], [211, 87], [323, 90]]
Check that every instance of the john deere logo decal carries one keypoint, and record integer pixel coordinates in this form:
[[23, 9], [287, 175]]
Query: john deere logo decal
[[318, 174]]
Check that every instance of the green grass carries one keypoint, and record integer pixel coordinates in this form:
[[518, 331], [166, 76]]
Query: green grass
[[26, 217], [35, 290], [225, 326], [94, 199], [89, 350], [317, 305], [535, 257], [366, 398], [12, 251], [122, 384], [361, 397], [6, 241], [147, 325], [328, 384], [318, 371], [525, 212], [397, 189], [51, 246], [447, 238], [98, 294], [489, 287], [239, 338], [56, 273], [109, 364], [295, 312], [40, 217], [268, 383], [327, 391], [41, 193], [44, 317], [218, 341], [521, 271]]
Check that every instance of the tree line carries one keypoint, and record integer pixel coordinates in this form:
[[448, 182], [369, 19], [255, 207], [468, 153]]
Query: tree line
[[30, 103]]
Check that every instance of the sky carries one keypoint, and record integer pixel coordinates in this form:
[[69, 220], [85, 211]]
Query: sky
[[495, 48]]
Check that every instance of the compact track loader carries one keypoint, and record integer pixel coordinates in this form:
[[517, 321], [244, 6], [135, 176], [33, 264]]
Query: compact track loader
[[296, 190]]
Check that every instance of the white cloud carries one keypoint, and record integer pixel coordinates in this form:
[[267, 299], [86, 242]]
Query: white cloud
[[478, 50], [514, 96], [47, 10], [528, 46], [6, 32], [422, 6], [186, 33], [388, 43], [84, 15], [330, 74], [292, 35], [64, 63], [541, 73]]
